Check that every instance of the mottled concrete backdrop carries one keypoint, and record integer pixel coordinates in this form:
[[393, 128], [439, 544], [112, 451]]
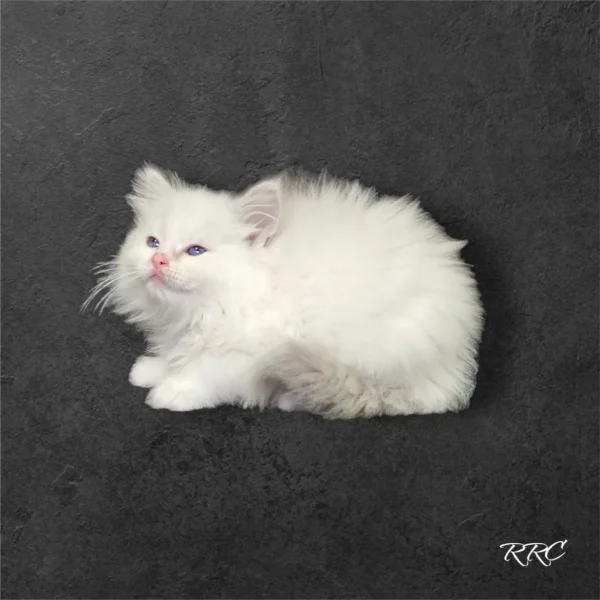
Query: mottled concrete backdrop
[[488, 111]]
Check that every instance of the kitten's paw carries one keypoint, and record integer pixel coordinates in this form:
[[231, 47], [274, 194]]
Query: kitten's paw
[[147, 371], [288, 402], [177, 396]]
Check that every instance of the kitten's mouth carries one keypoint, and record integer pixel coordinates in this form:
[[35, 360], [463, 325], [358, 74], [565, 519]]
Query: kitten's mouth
[[158, 279]]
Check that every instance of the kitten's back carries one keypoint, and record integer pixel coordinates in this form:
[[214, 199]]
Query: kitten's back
[[375, 281]]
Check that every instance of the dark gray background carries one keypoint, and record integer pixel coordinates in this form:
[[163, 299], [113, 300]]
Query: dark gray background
[[488, 111]]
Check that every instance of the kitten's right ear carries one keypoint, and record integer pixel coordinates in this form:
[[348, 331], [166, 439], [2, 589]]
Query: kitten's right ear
[[150, 183], [260, 209]]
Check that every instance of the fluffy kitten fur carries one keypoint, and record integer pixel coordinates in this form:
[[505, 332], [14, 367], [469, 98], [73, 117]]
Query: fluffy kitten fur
[[314, 294]]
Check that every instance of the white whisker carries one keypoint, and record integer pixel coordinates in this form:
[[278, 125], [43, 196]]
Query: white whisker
[[106, 284]]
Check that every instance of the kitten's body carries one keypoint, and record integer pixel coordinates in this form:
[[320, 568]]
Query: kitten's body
[[312, 295]]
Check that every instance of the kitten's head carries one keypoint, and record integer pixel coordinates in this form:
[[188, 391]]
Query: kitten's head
[[186, 241]]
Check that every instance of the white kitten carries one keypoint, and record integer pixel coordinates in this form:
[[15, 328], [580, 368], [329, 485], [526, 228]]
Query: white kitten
[[304, 294]]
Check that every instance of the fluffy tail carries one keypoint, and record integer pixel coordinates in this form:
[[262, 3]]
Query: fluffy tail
[[316, 382]]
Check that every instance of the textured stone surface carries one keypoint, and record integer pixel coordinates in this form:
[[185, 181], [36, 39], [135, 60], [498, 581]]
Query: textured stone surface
[[488, 111]]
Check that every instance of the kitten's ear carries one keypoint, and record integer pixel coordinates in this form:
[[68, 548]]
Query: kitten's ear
[[260, 206], [150, 183]]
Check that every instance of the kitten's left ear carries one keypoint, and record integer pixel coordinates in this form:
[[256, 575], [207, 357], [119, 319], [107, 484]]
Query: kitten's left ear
[[260, 207]]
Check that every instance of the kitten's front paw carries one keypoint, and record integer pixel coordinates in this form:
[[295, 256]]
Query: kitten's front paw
[[177, 396], [147, 371], [288, 402]]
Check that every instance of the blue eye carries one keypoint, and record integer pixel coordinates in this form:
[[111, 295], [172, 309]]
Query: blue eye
[[152, 242], [196, 250]]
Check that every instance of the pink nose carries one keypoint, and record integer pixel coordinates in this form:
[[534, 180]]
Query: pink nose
[[160, 260]]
